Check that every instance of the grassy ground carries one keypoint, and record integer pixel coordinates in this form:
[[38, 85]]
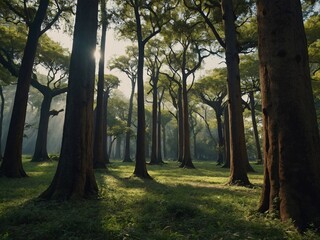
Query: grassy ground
[[178, 204]]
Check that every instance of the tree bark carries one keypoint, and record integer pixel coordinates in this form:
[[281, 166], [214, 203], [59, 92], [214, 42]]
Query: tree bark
[[220, 136], [226, 132], [238, 151], [74, 177], [99, 148], [154, 136], [180, 125], [291, 136], [12, 162]]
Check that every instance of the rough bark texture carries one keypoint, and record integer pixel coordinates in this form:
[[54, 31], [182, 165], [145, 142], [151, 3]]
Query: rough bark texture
[[74, 177], [99, 148], [291, 137], [12, 161], [238, 151]]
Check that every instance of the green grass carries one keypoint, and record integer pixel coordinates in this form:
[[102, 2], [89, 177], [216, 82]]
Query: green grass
[[178, 204]]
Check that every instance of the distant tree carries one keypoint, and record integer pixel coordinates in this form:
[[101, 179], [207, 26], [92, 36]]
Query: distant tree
[[128, 64], [291, 137], [74, 177]]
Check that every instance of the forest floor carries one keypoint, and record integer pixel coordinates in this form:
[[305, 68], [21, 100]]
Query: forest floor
[[179, 204]]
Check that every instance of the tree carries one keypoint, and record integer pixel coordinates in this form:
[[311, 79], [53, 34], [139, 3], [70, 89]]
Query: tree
[[34, 17], [291, 137], [74, 177], [212, 91], [128, 64], [99, 146]]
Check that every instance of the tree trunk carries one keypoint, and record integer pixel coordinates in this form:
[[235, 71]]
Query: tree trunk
[[140, 166], [226, 138], [238, 151], [255, 128], [74, 177], [118, 148], [164, 141], [186, 157], [154, 157], [159, 148], [180, 126], [12, 161], [127, 157], [1, 119], [40, 152], [220, 136], [99, 149], [291, 136]]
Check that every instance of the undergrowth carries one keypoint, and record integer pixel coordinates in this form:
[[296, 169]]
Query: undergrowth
[[178, 204]]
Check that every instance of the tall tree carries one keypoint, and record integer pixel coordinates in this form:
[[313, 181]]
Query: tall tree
[[74, 177], [34, 17], [291, 136], [128, 64], [99, 148]]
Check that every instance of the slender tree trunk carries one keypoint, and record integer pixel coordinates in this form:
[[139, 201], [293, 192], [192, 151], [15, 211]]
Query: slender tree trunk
[[291, 136], [238, 151], [140, 166], [164, 140], [127, 157], [180, 126], [74, 177], [12, 161], [255, 128], [154, 157], [99, 149], [226, 138], [40, 152], [159, 148], [220, 136], [186, 157], [1, 119], [118, 148]]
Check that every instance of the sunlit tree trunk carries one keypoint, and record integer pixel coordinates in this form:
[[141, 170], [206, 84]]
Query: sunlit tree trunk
[[291, 136], [74, 177], [238, 151], [12, 161]]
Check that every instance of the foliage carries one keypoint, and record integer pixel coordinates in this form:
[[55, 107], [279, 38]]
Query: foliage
[[137, 209]]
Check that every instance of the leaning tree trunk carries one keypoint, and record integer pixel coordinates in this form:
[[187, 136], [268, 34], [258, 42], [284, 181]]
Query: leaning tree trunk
[[12, 160], [40, 152], [74, 177], [186, 157], [99, 148], [238, 151], [255, 128], [291, 136]]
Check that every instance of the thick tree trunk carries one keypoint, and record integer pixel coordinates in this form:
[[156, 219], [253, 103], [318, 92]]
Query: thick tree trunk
[[127, 157], [99, 148], [140, 166], [186, 157], [74, 177], [291, 136], [40, 152], [255, 128], [1, 119], [12, 161], [238, 151]]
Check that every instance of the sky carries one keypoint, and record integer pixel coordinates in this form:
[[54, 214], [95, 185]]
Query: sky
[[116, 47]]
